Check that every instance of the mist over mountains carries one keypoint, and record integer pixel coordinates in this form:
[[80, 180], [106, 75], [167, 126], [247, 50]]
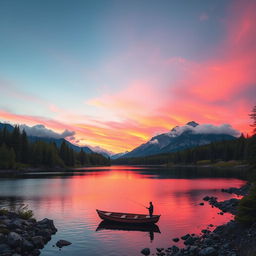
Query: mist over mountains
[[190, 135]]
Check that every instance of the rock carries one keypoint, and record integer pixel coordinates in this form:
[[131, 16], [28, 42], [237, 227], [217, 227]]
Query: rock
[[16, 223], [159, 249], [206, 198], [36, 252], [62, 243], [38, 241], [6, 222], [14, 239], [205, 231], [209, 242], [4, 231], [4, 248], [47, 223], [176, 239], [201, 204], [175, 249], [190, 241], [145, 251], [2, 237], [185, 237], [193, 249], [27, 246], [208, 251], [45, 233]]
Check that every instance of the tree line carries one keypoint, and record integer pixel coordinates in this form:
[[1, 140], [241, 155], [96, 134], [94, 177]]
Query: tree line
[[240, 149], [17, 151]]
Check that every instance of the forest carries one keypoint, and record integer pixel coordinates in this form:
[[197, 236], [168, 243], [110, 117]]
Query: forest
[[16, 151], [241, 149]]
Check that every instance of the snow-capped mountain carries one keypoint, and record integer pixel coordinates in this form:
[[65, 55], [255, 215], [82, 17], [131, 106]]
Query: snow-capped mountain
[[181, 137]]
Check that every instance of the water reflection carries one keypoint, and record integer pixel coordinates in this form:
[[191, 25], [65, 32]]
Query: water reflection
[[70, 199], [151, 229]]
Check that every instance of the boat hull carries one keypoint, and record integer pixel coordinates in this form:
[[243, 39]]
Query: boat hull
[[128, 218]]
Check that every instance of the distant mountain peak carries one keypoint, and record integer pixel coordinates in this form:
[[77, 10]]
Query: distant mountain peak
[[174, 128], [192, 123]]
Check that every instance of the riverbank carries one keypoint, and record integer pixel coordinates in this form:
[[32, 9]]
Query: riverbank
[[20, 234], [5, 173], [230, 239]]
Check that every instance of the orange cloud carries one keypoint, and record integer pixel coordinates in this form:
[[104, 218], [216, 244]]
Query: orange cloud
[[218, 90]]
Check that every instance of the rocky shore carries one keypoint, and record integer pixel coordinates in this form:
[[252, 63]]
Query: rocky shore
[[19, 236], [231, 239]]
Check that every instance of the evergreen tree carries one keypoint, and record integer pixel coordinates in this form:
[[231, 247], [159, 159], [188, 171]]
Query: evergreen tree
[[253, 117], [24, 148]]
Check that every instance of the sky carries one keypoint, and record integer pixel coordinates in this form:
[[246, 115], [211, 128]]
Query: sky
[[115, 73]]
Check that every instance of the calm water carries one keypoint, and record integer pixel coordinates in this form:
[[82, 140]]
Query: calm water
[[70, 200]]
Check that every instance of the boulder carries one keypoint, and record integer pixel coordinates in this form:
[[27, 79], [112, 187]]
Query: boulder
[[45, 233], [14, 239], [145, 251], [16, 223], [47, 223], [62, 243], [208, 251], [4, 248], [175, 249], [38, 241], [206, 198], [2, 237], [27, 246], [185, 237], [190, 241], [176, 239]]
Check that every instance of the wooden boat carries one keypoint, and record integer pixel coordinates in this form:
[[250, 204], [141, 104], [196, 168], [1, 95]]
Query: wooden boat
[[130, 218]]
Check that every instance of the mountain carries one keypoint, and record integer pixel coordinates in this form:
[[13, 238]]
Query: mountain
[[9, 127], [119, 155], [182, 137], [57, 141]]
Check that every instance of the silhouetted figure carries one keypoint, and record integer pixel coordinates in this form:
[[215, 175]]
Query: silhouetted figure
[[150, 209]]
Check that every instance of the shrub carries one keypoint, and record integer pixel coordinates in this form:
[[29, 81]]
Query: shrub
[[24, 212], [4, 231], [3, 211], [247, 208]]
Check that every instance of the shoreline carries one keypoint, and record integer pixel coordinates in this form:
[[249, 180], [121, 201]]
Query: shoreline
[[20, 234], [229, 239]]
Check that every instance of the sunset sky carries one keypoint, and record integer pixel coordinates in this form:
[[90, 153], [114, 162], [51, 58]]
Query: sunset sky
[[119, 72]]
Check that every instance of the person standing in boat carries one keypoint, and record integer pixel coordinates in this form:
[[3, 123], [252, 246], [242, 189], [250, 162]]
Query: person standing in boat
[[150, 209]]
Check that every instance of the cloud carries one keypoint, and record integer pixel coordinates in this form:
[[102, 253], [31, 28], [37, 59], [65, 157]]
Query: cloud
[[41, 131], [206, 129], [101, 150]]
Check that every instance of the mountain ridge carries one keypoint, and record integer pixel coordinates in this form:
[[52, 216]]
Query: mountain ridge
[[182, 137]]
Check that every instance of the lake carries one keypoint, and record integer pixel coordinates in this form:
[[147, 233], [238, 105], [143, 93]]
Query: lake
[[71, 198]]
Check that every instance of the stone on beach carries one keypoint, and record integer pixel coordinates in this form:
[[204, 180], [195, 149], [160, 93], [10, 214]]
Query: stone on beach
[[145, 251], [62, 243], [14, 239]]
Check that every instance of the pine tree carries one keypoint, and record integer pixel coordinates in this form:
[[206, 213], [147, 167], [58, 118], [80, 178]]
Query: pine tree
[[24, 148], [253, 117]]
